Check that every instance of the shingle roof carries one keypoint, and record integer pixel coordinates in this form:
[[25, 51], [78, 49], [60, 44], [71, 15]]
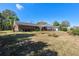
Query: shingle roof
[[31, 24], [24, 23]]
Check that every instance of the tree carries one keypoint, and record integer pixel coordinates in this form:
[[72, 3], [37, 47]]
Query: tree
[[10, 17], [55, 23], [41, 23], [1, 21], [64, 25], [6, 13]]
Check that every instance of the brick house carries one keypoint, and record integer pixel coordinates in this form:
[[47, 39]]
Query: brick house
[[21, 26]]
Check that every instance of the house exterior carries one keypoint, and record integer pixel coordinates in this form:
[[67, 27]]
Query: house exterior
[[21, 26], [75, 27]]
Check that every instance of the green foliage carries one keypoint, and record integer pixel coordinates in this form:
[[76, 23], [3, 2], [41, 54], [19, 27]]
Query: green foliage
[[71, 28], [64, 29], [75, 31], [37, 30], [65, 24], [6, 13], [7, 23], [14, 17], [7, 17], [9, 14], [55, 23], [41, 23], [2, 18]]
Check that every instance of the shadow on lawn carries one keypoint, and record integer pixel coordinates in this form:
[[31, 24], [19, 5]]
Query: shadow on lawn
[[10, 46]]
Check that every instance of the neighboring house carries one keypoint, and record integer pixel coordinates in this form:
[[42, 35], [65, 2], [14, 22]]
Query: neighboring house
[[21, 26], [75, 27], [51, 28], [56, 28]]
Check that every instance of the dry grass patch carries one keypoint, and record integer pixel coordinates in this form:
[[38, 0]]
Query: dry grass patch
[[60, 42], [53, 35], [64, 44]]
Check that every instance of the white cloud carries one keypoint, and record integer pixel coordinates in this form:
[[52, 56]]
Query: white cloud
[[19, 6]]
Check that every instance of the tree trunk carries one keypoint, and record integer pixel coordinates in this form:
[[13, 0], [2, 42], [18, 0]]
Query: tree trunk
[[1, 24]]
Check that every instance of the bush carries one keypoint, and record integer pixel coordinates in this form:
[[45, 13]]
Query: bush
[[37, 30], [55, 35], [75, 31], [64, 29], [49, 34], [71, 28], [42, 33]]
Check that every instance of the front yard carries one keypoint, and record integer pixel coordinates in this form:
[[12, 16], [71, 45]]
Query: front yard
[[42, 43]]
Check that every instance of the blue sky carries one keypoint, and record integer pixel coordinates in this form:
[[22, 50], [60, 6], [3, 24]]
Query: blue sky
[[49, 12]]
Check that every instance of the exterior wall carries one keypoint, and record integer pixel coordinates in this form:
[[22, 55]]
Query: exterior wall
[[17, 27], [50, 29], [57, 29], [28, 28]]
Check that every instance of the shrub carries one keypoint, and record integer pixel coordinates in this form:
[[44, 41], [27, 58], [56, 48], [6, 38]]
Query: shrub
[[49, 34], [69, 32], [75, 31], [64, 29], [55, 35], [37, 30], [71, 28], [42, 33]]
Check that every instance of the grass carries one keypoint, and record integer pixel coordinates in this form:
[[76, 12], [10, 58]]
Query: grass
[[41, 43], [64, 44]]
